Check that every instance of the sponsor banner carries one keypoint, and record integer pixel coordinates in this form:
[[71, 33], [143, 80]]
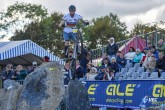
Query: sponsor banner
[[126, 93]]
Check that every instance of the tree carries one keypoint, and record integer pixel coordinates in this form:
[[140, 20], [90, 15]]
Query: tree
[[19, 16], [46, 33], [151, 32], [103, 28], [142, 28]]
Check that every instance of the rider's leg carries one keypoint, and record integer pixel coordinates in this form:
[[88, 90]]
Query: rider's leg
[[74, 38], [66, 38]]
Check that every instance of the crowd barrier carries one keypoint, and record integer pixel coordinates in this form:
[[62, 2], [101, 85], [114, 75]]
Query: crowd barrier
[[126, 93]]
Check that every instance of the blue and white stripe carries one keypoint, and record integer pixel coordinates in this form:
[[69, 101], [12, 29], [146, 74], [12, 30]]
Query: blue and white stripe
[[17, 48]]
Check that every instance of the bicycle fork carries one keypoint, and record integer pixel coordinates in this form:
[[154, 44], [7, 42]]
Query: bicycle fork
[[74, 60]]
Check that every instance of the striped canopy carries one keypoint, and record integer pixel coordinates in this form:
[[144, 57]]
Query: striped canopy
[[23, 52]]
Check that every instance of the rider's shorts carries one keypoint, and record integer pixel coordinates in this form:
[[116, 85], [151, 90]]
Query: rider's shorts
[[69, 36]]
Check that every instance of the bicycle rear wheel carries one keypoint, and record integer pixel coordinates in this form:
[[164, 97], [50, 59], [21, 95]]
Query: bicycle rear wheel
[[72, 70], [80, 44]]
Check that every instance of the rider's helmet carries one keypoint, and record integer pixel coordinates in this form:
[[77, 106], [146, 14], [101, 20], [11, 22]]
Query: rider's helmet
[[72, 8]]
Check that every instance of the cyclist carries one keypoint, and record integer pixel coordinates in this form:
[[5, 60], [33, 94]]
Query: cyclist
[[69, 22]]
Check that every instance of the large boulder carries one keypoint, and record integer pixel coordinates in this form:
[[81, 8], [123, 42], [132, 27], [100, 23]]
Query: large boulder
[[43, 89], [77, 96], [9, 95]]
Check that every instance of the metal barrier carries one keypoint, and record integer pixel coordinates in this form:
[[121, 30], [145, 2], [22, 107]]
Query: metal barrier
[[151, 37], [99, 52]]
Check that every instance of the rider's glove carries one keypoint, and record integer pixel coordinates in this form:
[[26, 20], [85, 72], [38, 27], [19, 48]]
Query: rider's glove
[[86, 23], [63, 25]]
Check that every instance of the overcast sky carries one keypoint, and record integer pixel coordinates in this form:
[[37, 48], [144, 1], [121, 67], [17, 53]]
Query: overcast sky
[[129, 11]]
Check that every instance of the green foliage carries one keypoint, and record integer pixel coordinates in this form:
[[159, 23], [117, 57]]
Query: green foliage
[[140, 29], [46, 33], [103, 28], [30, 21], [19, 15]]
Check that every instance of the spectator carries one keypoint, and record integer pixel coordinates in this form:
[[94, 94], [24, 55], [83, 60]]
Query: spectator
[[8, 73], [79, 70], [46, 59], [109, 75], [67, 65], [145, 51], [118, 54], [84, 59], [34, 66], [103, 57], [138, 57], [160, 64], [151, 64], [70, 54], [20, 73], [147, 59], [112, 48], [161, 46], [89, 66], [149, 46], [106, 62], [100, 75], [130, 55], [92, 74], [121, 61], [114, 65], [154, 51]]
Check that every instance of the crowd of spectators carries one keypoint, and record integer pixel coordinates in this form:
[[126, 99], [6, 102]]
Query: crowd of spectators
[[151, 58], [19, 72]]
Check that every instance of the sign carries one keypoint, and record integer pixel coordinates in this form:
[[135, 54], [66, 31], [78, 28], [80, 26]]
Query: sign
[[126, 93]]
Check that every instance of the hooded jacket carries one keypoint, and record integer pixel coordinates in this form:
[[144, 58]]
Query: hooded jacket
[[112, 48]]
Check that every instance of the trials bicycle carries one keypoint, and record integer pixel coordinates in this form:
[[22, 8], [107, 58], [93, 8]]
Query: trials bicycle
[[77, 52]]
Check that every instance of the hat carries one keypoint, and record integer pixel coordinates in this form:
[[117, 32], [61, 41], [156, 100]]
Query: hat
[[34, 63], [46, 57], [112, 38], [113, 58], [102, 67]]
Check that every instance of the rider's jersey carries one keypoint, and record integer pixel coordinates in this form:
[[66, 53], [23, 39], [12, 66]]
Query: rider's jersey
[[70, 22]]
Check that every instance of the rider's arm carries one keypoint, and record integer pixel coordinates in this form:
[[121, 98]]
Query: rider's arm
[[62, 23], [84, 22]]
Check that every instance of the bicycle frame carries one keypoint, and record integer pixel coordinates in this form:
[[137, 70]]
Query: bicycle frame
[[73, 62]]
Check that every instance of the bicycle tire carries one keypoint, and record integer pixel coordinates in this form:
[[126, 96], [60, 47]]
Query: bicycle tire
[[80, 40], [72, 71]]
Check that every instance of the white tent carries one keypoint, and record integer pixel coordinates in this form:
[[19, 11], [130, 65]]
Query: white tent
[[24, 52]]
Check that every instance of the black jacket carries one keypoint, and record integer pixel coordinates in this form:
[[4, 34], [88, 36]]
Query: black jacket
[[7, 75], [79, 72], [160, 63], [112, 50]]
